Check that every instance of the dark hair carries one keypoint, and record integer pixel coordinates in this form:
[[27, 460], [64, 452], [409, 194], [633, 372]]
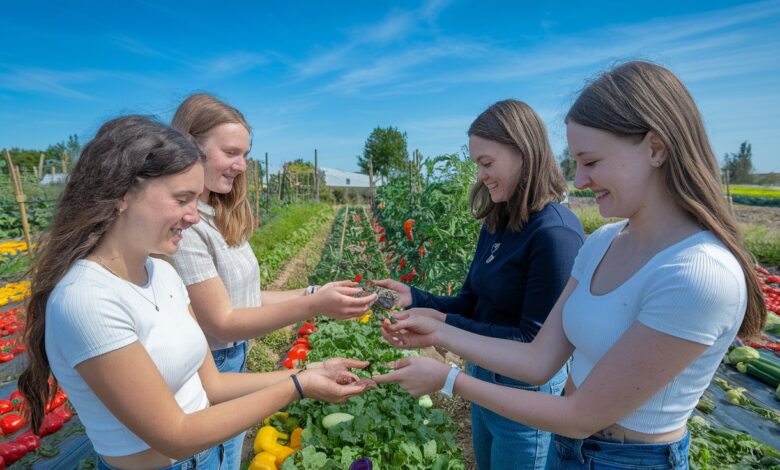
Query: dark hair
[[638, 97], [515, 124], [125, 152], [197, 116]]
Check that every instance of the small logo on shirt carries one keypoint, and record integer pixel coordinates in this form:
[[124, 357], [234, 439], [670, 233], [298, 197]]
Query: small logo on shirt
[[493, 249]]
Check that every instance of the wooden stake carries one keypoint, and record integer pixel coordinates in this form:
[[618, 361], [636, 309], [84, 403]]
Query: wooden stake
[[316, 178], [371, 184], [21, 199], [40, 165], [267, 187], [64, 162]]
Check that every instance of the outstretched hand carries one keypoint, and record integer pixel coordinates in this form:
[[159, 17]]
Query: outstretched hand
[[332, 382], [411, 330], [335, 300], [417, 375], [404, 291]]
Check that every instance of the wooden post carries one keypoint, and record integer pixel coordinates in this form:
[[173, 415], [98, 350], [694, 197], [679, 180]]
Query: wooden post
[[371, 184], [35, 172], [64, 162], [21, 199], [256, 166], [411, 188], [267, 187], [316, 178], [281, 184], [40, 166]]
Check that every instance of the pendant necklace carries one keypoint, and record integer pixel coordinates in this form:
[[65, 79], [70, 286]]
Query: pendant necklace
[[99, 261]]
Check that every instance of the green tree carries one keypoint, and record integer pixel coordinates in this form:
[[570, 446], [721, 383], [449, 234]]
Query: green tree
[[386, 147], [568, 164], [739, 165]]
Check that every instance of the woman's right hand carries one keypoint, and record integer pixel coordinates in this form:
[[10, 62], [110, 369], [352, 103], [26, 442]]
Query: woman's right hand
[[335, 300], [412, 331], [332, 385], [403, 290]]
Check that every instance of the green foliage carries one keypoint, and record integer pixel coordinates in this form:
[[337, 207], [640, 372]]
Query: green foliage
[[568, 164], [763, 242], [386, 147], [280, 239], [755, 191], [443, 223], [591, 219], [739, 165]]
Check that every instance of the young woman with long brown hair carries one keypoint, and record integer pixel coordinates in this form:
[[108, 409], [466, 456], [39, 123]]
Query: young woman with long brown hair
[[653, 301], [114, 325], [521, 264], [215, 260]]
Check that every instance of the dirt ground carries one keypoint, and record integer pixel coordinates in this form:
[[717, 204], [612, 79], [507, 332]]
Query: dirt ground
[[755, 215]]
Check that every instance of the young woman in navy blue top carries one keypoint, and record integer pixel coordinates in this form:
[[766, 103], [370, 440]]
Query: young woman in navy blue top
[[523, 259]]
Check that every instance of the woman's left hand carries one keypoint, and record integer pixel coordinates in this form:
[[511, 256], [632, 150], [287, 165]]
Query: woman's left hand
[[417, 375]]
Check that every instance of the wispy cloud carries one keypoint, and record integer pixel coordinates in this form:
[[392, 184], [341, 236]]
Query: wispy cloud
[[46, 81], [136, 47], [395, 27], [232, 63]]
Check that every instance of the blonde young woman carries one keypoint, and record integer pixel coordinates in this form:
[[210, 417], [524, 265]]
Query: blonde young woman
[[652, 304], [114, 325], [216, 262]]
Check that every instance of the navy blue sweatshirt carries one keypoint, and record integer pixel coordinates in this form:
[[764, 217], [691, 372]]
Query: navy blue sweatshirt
[[515, 278]]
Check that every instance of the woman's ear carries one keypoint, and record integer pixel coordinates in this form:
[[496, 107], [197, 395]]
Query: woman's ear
[[121, 205], [658, 152]]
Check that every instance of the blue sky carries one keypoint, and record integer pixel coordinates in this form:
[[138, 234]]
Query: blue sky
[[323, 74]]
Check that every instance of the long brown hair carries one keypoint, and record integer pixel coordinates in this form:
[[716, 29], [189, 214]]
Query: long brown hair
[[514, 123], [196, 116], [125, 152], [637, 97]]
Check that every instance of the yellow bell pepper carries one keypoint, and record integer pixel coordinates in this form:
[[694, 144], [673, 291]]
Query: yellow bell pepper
[[366, 316], [266, 440], [278, 414], [263, 461]]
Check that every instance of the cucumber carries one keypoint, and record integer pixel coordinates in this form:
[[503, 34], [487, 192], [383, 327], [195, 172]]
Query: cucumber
[[760, 373], [336, 418]]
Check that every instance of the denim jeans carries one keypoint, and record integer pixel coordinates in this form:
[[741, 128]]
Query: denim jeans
[[232, 359], [499, 442], [598, 454], [209, 459]]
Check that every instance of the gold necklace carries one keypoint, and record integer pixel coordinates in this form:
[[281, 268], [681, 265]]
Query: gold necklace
[[99, 261]]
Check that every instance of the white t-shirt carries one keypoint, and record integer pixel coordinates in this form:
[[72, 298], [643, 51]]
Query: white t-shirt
[[204, 254], [693, 290], [91, 312]]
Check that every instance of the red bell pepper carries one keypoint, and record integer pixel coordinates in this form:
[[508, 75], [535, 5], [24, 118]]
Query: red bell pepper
[[297, 355], [302, 340], [288, 363], [6, 356], [64, 413], [402, 263], [358, 278], [17, 399], [6, 406], [306, 329], [10, 452], [52, 423], [11, 423], [421, 251], [29, 440]]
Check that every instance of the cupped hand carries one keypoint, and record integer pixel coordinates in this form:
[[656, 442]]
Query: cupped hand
[[417, 375], [403, 290], [335, 300], [332, 385], [412, 331]]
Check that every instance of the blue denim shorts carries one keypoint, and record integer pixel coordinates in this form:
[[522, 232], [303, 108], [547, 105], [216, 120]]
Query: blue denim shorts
[[232, 359], [209, 459], [596, 454]]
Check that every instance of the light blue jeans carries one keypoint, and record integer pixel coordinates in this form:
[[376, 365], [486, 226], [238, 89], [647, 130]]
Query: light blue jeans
[[598, 454], [499, 442], [209, 459], [232, 359]]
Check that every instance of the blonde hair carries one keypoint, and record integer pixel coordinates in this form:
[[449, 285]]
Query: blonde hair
[[515, 124], [196, 116], [638, 97]]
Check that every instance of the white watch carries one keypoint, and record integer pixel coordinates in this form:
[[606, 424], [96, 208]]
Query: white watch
[[449, 383]]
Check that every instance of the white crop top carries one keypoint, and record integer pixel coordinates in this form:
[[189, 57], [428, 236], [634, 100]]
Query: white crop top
[[92, 312], [693, 290]]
